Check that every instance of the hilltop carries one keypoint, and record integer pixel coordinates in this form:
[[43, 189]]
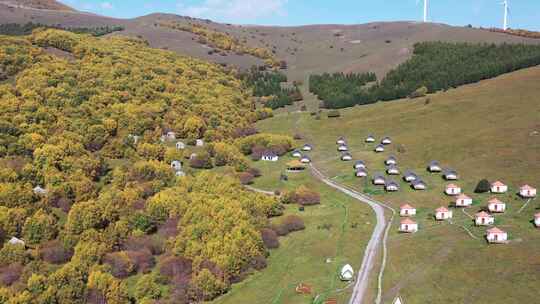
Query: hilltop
[[52, 5], [310, 49]]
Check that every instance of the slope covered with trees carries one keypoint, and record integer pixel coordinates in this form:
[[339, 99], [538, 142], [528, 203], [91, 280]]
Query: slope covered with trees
[[434, 65], [110, 221], [268, 86], [16, 29]]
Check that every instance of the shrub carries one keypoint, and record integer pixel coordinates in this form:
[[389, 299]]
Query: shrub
[[176, 268], [201, 161], [142, 260], [246, 178], [483, 186], [207, 285], [270, 238], [255, 172], [54, 252], [420, 92], [293, 223], [305, 196], [121, 264], [150, 243], [10, 274], [147, 288], [333, 114], [169, 228], [280, 230]]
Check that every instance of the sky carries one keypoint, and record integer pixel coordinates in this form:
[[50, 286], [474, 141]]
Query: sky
[[487, 13]]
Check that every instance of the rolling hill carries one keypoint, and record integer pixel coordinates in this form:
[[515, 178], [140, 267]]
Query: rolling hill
[[311, 49]]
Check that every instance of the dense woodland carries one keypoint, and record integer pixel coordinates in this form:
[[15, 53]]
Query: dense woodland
[[16, 29], [268, 84], [434, 66], [112, 223]]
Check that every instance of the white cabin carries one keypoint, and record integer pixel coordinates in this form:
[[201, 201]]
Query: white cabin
[[434, 166], [443, 213], [496, 206], [498, 187], [378, 179], [176, 165], [527, 191], [199, 143], [16, 241], [361, 172], [386, 141], [483, 219], [305, 160], [346, 273], [408, 225], [392, 186], [341, 141], [359, 164], [537, 220], [269, 156], [180, 145], [496, 235], [392, 170], [38, 190], [370, 139], [346, 157], [463, 201], [418, 184], [452, 190], [343, 148], [170, 135], [391, 161], [307, 147], [296, 153], [407, 210], [379, 148]]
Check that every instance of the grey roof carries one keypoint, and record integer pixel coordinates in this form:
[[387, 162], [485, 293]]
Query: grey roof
[[269, 153], [308, 145], [448, 171], [378, 175], [417, 182], [346, 154], [391, 157], [305, 157], [434, 163], [386, 137], [359, 162], [391, 167], [379, 146], [361, 170], [392, 183], [409, 173]]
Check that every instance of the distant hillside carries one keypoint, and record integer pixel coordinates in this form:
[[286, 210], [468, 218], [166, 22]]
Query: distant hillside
[[314, 49], [39, 4]]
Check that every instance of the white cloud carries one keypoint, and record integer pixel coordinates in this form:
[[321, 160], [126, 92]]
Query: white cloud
[[236, 11], [106, 5]]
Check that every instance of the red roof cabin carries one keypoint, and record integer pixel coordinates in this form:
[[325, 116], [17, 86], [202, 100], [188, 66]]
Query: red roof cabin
[[452, 189], [407, 225], [527, 191], [463, 201], [407, 210], [496, 206], [442, 214], [496, 236], [483, 218], [498, 187]]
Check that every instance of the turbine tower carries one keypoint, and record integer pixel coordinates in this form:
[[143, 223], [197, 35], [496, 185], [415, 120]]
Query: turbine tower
[[506, 9], [426, 10]]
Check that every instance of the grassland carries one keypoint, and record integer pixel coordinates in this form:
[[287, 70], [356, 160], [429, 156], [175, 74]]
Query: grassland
[[486, 130], [302, 255]]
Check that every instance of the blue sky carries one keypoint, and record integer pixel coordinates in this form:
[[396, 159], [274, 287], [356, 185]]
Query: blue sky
[[487, 13]]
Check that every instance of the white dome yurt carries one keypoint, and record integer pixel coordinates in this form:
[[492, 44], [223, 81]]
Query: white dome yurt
[[347, 273]]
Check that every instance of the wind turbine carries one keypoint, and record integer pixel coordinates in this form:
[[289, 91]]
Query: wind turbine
[[506, 10], [425, 9]]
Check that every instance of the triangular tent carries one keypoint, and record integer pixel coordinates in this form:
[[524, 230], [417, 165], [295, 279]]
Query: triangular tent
[[397, 300]]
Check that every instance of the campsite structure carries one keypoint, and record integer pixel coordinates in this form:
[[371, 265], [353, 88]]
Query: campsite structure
[[379, 179], [409, 176], [391, 186], [370, 139], [434, 166], [498, 187], [361, 172], [496, 236], [442, 213], [269, 155], [537, 220], [386, 140], [497, 206], [452, 189], [305, 159], [346, 273], [483, 218], [407, 225], [359, 164], [463, 200], [392, 170], [346, 156], [296, 153], [407, 210], [307, 147], [341, 141], [379, 148], [295, 166], [527, 191], [391, 160], [418, 184], [450, 174], [343, 148]]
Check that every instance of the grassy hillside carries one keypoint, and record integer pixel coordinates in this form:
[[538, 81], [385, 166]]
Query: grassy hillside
[[486, 130]]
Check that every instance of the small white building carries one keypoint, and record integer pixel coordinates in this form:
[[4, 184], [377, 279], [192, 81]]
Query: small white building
[[359, 164], [307, 147], [379, 148], [452, 189], [199, 143], [392, 186], [537, 220], [450, 174], [180, 145], [16, 241], [296, 153], [392, 170], [434, 166], [346, 157], [341, 141], [370, 139], [527, 191], [378, 179], [170, 135], [269, 156], [496, 206], [483, 218], [496, 235], [386, 140], [305, 159], [360, 172], [498, 187], [407, 210], [180, 173], [136, 138], [176, 165], [346, 273], [418, 184], [409, 176], [408, 225], [38, 190], [442, 213], [343, 148], [391, 160], [463, 200]]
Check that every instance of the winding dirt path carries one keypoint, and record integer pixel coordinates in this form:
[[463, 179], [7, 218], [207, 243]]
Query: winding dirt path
[[379, 235]]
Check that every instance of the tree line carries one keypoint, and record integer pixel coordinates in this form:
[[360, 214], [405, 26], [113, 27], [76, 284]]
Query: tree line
[[16, 29], [268, 86], [434, 65]]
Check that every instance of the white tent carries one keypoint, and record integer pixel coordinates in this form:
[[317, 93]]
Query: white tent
[[347, 273], [397, 300]]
